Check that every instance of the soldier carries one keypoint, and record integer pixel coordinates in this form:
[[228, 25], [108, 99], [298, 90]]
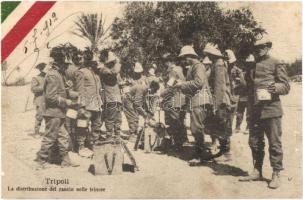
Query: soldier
[[265, 83], [90, 102], [197, 92], [243, 98], [221, 87], [56, 102], [72, 73], [37, 88], [112, 100], [128, 108], [136, 103], [173, 102]]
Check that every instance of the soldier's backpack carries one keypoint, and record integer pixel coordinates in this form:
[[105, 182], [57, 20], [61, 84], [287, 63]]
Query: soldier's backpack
[[108, 158]]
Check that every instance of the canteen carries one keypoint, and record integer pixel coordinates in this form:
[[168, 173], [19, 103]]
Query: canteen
[[71, 113]]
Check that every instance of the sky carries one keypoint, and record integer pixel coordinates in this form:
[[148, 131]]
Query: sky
[[282, 21]]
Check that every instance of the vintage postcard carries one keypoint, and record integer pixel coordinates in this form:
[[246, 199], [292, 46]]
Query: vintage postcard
[[151, 100]]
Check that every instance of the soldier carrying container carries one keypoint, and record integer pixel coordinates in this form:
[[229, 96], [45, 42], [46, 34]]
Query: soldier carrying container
[[56, 102], [173, 102], [90, 103], [198, 95], [266, 82]]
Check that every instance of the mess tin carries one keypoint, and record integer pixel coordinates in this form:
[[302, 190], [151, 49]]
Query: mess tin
[[71, 113], [82, 123], [263, 95]]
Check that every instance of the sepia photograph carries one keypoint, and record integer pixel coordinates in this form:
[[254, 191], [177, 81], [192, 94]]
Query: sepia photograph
[[151, 100]]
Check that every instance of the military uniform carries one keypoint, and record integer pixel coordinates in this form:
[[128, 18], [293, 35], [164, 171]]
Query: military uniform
[[265, 116], [242, 105], [71, 74], [223, 103], [134, 105], [54, 114], [173, 104], [112, 101], [37, 88], [90, 100], [128, 105], [198, 98]]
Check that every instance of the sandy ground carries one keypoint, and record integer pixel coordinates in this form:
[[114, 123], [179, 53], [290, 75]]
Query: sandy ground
[[160, 176]]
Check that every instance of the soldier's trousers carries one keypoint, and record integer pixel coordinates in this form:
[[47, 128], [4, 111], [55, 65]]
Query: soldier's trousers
[[197, 117], [71, 125], [94, 135], [38, 118], [240, 113], [55, 133], [270, 127], [113, 118], [174, 118], [131, 115]]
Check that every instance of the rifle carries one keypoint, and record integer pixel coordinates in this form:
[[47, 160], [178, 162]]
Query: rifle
[[139, 137]]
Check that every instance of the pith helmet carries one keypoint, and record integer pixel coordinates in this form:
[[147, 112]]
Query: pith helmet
[[111, 57], [212, 49], [206, 61], [187, 50], [265, 40], [231, 56], [138, 67]]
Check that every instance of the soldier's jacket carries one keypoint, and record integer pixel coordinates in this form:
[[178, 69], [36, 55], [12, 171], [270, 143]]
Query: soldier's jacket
[[72, 76], [37, 88], [54, 93], [89, 90], [137, 95], [267, 70], [237, 84], [221, 84], [110, 82], [172, 98], [196, 86], [151, 78]]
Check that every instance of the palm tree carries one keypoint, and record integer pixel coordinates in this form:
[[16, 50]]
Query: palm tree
[[92, 28]]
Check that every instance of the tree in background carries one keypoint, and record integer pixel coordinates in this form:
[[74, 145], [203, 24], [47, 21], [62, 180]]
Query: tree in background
[[148, 29], [91, 27]]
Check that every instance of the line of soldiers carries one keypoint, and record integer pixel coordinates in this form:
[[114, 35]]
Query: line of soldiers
[[208, 90], [76, 98]]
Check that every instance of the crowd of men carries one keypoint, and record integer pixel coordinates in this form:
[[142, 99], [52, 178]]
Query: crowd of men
[[77, 95]]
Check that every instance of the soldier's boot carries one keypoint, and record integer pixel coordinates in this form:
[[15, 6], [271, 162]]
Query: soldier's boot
[[255, 175], [275, 180], [66, 162], [239, 120]]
